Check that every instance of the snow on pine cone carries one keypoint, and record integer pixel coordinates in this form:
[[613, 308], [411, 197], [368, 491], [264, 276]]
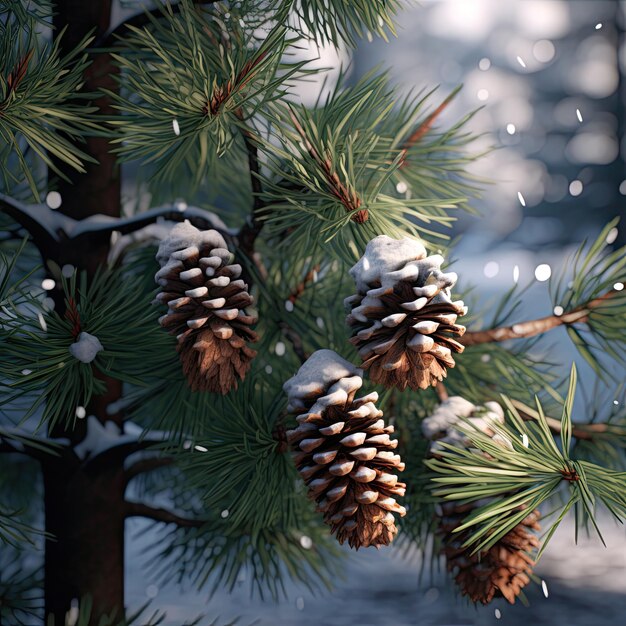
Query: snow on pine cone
[[207, 307], [343, 451], [504, 569], [402, 317]]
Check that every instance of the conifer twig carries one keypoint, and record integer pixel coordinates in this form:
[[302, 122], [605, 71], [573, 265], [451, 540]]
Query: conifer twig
[[441, 391], [253, 226], [581, 430], [426, 125], [139, 509], [147, 465], [298, 290], [531, 328], [350, 200]]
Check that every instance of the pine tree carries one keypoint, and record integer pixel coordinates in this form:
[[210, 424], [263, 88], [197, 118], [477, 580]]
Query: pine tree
[[102, 411]]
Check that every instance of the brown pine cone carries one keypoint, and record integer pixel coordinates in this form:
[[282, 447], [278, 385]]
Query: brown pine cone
[[504, 569], [207, 308], [501, 571], [343, 451], [402, 317]]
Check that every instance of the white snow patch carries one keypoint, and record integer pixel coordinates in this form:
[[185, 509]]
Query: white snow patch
[[320, 371], [99, 437], [384, 255], [186, 235], [86, 348], [458, 410]]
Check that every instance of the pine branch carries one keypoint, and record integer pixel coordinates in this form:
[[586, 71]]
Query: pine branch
[[585, 431], [298, 290], [139, 509], [34, 219], [426, 125], [348, 197], [39, 450], [198, 217], [295, 340], [539, 326], [138, 21], [252, 228], [441, 391], [146, 465]]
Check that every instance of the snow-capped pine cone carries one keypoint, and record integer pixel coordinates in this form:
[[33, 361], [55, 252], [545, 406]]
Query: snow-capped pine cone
[[207, 308], [402, 317], [440, 426], [343, 451], [501, 571], [504, 569]]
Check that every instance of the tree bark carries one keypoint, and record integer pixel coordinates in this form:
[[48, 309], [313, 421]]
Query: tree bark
[[84, 505], [85, 514]]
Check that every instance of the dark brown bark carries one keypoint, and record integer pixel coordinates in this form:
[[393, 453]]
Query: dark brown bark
[[98, 189], [85, 513], [84, 504]]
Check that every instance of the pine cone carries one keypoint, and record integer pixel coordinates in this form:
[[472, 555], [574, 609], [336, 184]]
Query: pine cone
[[343, 451], [206, 308], [402, 317], [504, 569]]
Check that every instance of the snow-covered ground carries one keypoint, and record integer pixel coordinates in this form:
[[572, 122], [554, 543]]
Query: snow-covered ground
[[586, 587]]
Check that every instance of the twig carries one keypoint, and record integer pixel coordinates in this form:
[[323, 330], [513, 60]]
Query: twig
[[441, 391], [535, 327], [426, 125], [16, 76], [44, 236], [587, 431], [296, 341], [350, 200], [38, 452], [147, 465], [298, 290], [253, 226], [139, 509]]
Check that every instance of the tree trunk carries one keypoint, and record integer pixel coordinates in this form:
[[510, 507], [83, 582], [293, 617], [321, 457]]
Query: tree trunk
[[84, 508], [85, 558]]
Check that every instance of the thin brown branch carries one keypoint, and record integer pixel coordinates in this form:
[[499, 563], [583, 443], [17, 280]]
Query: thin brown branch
[[295, 340], [348, 197], [146, 465], [139, 509], [586, 431], [16, 77], [535, 327], [441, 391], [298, 290], [426, 125], [254, 224]]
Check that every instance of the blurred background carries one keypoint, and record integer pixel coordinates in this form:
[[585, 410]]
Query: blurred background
[[549, 76]]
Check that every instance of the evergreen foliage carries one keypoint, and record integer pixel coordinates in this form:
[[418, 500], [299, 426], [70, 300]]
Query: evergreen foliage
[[205, 107]]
